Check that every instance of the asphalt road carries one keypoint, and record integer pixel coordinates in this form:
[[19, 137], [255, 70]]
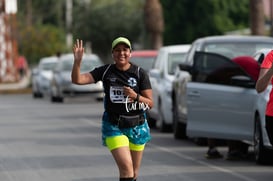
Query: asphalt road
[[41, 141]]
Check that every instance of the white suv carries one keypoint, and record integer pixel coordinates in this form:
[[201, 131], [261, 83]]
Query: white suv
[[221, 99], [161, 77]]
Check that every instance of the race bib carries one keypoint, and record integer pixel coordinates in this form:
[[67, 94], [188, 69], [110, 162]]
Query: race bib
[[117, 95]]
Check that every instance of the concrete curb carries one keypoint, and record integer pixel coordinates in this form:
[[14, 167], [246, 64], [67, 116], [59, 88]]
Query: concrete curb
[[23, 86]]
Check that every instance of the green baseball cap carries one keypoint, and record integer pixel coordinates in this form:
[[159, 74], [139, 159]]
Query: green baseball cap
[[121, 40]]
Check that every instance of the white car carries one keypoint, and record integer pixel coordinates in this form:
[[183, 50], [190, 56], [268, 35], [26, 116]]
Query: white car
[[42, 75], [223, 103], [61, 85], [226, 45], [262, 146], [161, 77]]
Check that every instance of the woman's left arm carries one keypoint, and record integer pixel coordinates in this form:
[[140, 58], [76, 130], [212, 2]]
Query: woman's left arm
[[146, 97]]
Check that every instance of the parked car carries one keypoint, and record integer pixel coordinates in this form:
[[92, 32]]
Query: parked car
[[144, 58], [261, 54], [226, 45], [221, 99], [42, 75], [262, 147], [61, 84], [161, 77]]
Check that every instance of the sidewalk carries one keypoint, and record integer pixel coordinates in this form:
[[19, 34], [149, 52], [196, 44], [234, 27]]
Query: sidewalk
[[22, 85]]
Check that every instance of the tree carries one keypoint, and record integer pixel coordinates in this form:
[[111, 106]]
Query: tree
[[40, 41], [186, 20], [154, 22], [257, 17], [102, 21], [40, 29]]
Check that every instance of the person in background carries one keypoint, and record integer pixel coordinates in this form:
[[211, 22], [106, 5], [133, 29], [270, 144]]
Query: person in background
[[264, 79], [22, 66], [58, 54], [213, 152], [128, 94]]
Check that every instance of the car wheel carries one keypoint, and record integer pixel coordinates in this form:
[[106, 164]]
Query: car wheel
[[262, 154], [55, 95], [37, 95], [57, 99], [179, 129], [60, 99], [53, 99]]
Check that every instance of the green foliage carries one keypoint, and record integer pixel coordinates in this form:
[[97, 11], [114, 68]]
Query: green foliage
[[104, 21], [100, 21], [43, 12], [186, 20], [39, 41], [44, 36]]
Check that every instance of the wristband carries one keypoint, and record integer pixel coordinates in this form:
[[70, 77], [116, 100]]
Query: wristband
[[137, 98]]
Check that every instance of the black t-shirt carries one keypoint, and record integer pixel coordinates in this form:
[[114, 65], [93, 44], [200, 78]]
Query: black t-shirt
[[113, 81]]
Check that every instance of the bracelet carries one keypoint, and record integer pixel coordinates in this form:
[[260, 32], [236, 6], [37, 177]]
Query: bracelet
[[137, 98]]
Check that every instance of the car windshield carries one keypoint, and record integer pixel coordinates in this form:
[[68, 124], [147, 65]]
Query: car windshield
[[67, 65], [89, 64], [173, 60], [235, 49], [145, 62], [48, 65], [86, 65]]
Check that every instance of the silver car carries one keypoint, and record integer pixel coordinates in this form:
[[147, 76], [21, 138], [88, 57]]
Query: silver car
[[228, 46], [42, 75], [161, 77], [223, 103], [61, 84]]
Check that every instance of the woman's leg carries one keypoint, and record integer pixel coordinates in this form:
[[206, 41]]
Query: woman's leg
[[124, 162], [119, 147], [137, 158], [136, 153]]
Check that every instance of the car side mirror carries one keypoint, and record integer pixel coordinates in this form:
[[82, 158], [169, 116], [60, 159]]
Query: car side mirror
[[242, 81], [154, 73], [185, 67]]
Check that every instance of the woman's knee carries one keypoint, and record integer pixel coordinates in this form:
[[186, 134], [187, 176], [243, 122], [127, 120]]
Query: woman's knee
[[126, 170], [124, 161]]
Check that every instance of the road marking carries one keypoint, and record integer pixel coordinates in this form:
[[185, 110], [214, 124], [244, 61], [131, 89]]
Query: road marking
[[183, 156]]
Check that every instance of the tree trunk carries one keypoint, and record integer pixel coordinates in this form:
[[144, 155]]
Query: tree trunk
[[257, 19], [29, 12], [154, 22]]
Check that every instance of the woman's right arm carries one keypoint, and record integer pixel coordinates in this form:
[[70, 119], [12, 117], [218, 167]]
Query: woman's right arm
[[76, 76], [264, 79]]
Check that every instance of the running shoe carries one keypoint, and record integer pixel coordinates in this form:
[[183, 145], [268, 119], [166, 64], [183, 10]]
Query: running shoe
[[213, 154]]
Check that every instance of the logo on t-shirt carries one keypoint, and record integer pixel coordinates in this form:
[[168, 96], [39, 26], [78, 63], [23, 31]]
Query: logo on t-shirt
[[132, 82]]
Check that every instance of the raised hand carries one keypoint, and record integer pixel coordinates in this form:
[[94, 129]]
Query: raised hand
[[78, 50]]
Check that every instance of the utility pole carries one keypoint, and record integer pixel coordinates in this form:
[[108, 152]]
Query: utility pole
[[69, 17]]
